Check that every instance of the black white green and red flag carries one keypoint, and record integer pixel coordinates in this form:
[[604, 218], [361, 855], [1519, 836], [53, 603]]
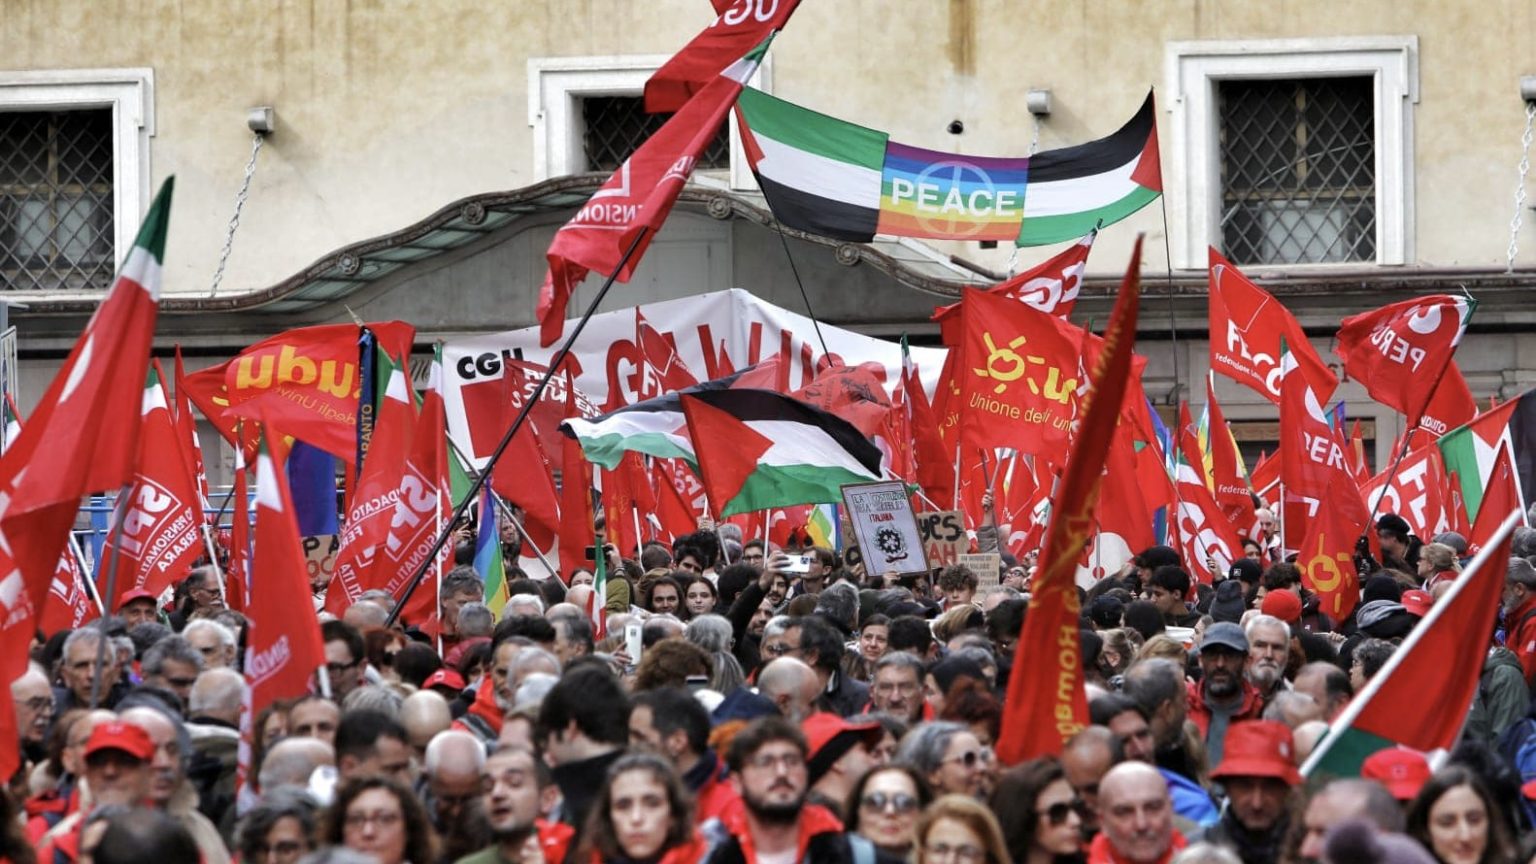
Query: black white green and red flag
[[758, 449], [830, 177], [1470, 452]]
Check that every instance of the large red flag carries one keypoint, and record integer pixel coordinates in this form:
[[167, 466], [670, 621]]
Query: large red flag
[[1399, 352], [1206, 539], [1500, 498], [934, 469], [373, 505], [1051, 286], [1046, 704], [306, 381], [69, 603], [1451, 406], [425, 501], [1327, 551], [1311, 452], [1417, 491], [160, 533], [283, 648], [739, 25], [576, 524], [1246, 328], [630, 208]]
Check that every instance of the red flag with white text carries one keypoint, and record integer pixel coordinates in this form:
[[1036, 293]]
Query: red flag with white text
[[425, 501], [1399, 352], [738, 25], [1500, 498], [1051, 286], [1246, 329]]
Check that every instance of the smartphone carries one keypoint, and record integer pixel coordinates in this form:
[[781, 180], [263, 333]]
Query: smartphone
[[799, 563], [591, 553], [632, 643], [697, 682]]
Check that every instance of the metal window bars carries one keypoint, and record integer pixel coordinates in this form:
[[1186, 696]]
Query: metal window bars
[[615, 125], [56, 212]]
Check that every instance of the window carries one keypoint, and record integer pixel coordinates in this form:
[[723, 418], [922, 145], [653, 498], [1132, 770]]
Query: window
[[56, 200], [613, 126], [1298, 178], [586, 115], [1291, 151], [74, 174]]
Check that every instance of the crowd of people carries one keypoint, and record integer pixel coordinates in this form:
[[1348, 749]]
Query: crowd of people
[[745, 703]]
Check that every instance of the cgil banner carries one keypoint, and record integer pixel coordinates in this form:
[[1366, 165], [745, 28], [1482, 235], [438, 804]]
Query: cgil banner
[[714, 334]]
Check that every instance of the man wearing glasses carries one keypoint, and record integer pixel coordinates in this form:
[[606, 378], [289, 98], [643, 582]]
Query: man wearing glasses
[[33, 699], [773, 821], [344, 658]]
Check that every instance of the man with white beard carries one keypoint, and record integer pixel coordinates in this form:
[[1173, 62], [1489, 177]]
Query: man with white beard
[[1269, 650]]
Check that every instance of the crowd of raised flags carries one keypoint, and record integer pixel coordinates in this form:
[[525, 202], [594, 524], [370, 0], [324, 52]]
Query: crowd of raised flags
[[633, 635]]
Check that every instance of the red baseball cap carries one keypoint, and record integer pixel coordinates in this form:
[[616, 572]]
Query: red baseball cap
[[1259, 748], [829, 736], [1404, 772], [133, 594], [1417, 601], [444, 678], [1283, 604], [117, 735]]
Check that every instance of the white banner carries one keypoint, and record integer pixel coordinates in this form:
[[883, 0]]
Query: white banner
[[715, 334]]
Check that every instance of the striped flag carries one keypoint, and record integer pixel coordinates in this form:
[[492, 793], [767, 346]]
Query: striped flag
[[488, 562]]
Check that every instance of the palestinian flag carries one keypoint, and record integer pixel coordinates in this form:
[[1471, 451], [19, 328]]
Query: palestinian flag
[[1433, 667], [654, 427], [830, 177], [1470, 451], [758, 449]]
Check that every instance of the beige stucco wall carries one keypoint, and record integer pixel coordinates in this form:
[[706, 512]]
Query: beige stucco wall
[[389, 109]]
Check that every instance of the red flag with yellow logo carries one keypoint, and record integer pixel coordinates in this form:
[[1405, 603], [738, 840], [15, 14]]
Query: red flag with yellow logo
[[1046, 704], [1327, 552]]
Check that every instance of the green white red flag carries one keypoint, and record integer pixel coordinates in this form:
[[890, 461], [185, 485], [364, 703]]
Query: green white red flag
[[1046, 703]]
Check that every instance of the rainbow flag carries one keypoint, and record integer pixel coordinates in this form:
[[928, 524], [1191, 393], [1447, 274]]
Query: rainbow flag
[[488, 561], [822, 526]]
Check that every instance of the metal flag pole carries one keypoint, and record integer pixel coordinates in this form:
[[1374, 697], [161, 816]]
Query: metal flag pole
[[119, 510]]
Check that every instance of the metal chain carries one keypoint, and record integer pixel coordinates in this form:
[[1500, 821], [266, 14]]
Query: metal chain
[[234, 221], [1525, 168], [1034, 141]]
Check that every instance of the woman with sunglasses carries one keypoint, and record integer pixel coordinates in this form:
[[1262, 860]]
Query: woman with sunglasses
[[1045, 815], [950, 757], [883, 808]]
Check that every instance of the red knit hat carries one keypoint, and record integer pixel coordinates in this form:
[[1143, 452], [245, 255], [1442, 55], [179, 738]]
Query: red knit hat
[[1283, 604]]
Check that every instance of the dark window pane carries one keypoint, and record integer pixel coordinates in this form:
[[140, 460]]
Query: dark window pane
[[1298, 161], [56, 225], [616, 125]]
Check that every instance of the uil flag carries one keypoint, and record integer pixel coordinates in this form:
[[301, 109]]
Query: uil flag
[[1327, 551], [1046, 703], [1246, 328], [1399, 352], [160, 532], [630, 208], [284, 647], [739, 25]]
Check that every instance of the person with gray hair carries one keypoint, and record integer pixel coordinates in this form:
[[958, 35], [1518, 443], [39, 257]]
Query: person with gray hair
[[213, 640], [290, 762], [77, 669], [281, 825], [1352, 798], [535, 686], [217, 698], [374, 697], [896, 686], [453, 763], [714, 634], [145, 636], [172, 664], [839, 603], [1520, 614], [1292, 708], [1158, 686], [792, 686], [1269, 651], [522, 604], [476, 619], [950, 757]]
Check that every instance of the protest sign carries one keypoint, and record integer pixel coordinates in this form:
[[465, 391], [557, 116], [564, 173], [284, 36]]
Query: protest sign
[[883, 524]]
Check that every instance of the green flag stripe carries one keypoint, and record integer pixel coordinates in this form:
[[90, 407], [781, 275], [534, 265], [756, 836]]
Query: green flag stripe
[[817, 134]]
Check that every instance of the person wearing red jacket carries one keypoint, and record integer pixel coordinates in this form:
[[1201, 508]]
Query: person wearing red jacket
[[514, 780], [1222, 696], [1520, 614]]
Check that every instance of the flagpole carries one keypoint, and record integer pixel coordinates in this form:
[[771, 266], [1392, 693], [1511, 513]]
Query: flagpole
[[480, 480], [119, 510], [506, 510], [86, 582], [1358, 704]]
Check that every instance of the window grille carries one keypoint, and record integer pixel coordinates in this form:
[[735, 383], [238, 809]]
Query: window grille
[[1298, 170], [616, 125], [56, 215]]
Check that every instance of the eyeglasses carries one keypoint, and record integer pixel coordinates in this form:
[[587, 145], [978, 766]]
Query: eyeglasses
[[963, 852], [880, 802], [338, 668], [39, 703], [382, 818], [1057, 813], [769, 761], [779, 649], [971, 758], [282, 849]]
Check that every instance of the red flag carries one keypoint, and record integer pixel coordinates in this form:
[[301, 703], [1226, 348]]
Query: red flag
[[1018, 375], [1310, 452], [1399, 352], [1500, 498], [1050, 286], [161, 529], [630, 208], [576, 524], [523, 478], [1265, 478], [1124, 519], [1246, 328], [934, 468], [1204, 532], [1450, 407], [69, 604], [237, 582], [1357, 464], [675, 511], [283, 647], [1457, 506], [854, 393], [424, 502], [186, 430], [1046, 704], [739, 25], [1417, 492], [1228, 485], [662, 369], [1327, 551], [373, 505], [305, 381]]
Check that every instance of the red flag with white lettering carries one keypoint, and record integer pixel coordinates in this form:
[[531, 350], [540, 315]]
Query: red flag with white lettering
[[1418, 491], [630, 208], [739, 25], [1399, 352], [425, 501], [1451, 407], [69, 604], [1206, 539], [1051, 286], [1246, 329], [283, 647], [1310, 452]]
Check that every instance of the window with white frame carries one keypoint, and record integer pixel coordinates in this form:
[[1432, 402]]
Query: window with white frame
[[1293, 152], [74, 169], [587, 115]]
